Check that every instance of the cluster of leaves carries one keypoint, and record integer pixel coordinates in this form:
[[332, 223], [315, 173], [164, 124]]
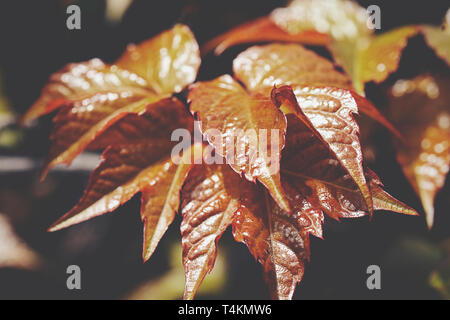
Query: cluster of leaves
[[129, 110], [341, 26]]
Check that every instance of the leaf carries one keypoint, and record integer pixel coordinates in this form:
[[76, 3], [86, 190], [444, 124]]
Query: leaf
[[262, 67], [96, 95], [328, 113], [210, 198], [363, 56], [439, 38], [168, 62], [420, 109], [382, 55], [122, 172], [340, 19], [315, 183], [285, 64], [156, 124], [77, 126], [228, 113], [161, 199], [331, 188], [261, 30], [125, 169], [79, 81], [275, 238]]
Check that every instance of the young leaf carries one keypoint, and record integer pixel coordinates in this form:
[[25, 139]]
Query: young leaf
[[331, 188], [262, 67], [381, 57], [227, 112], [285, 64], [261, 30], [341, 19], [363, 56], [96, 95], [77, 126], [275, 238], [210, 198], [79, 81], [128, 167], [439, 38], [420, 110], [161, 198], [168, 62], [328, 113]]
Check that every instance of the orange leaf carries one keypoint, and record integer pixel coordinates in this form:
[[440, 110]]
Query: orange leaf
[[125, 169], [228, 113], [78, 81], [96, 96], [260, 68], [381, 57], [420, 110], [328, 113], [438, 38], [161, 199], [78, 126], [261, 30], [210, 198], [275, 238], [168, 62], [285, 64], [330, 187]]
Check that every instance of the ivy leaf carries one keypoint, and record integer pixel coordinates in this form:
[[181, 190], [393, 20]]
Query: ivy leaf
[[363, 56], [78, 81], [328, 112], [227, 113], [125, 169], [381, 57], [341, 25], [439, 38], [275, 238], [168, 62], [262, 67], [210, 199], [77, 126], [420, 110], [332, 189], [261, 30], [96, 95], [285, 64], [161, 199]]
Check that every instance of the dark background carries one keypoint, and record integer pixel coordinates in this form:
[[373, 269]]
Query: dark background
[[34, 42]]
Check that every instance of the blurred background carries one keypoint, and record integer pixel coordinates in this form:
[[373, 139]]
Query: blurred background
[[34, 43]]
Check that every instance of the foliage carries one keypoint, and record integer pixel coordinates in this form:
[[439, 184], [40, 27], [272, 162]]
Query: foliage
[[129, 109]]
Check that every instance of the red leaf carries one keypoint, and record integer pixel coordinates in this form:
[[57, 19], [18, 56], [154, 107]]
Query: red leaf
[[223, 105], [261, 30], [210, 198]]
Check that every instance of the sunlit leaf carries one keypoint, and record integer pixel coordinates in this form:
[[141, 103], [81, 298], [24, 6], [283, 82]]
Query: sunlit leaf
[[80, 81], [161, 199], [275, 238], [168, 62], [330, 187], [261, 30], [420, 109], [439, 38], [262, 67], [210, 198], [329, 114], [363, 56], [95, 96], [242, 120], [285, 64]]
